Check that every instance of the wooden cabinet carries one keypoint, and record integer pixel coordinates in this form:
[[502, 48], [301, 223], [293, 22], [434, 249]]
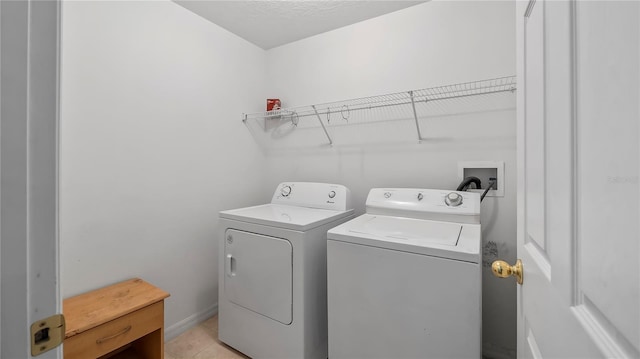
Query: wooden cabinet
[[124, 319]]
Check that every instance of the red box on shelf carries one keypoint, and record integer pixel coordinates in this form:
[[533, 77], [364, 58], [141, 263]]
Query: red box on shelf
[[273, 104]]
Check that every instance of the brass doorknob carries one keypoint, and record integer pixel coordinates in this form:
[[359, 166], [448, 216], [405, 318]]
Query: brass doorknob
[[502, 269]]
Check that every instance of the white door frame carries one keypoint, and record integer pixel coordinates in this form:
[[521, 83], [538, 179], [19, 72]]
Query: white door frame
[[28, 170]]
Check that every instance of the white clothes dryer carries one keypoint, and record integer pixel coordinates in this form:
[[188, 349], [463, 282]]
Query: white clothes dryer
[[272, 271], [404, 279]]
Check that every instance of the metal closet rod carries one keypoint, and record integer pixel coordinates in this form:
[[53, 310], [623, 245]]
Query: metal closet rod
[[336, 109], [447, 92]]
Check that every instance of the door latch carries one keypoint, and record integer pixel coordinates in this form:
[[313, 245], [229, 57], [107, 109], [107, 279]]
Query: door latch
[[47, 334]]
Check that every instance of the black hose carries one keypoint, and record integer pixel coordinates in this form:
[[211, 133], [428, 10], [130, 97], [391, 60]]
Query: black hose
[[464, 185], [491, 183]]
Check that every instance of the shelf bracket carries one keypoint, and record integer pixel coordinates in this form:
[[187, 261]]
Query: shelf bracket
[[322, 124], [415, 116]]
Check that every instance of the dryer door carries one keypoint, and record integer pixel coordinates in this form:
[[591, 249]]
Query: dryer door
[[258, 274]]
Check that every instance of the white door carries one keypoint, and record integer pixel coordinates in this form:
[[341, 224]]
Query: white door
[[28, 172], [259, 274], [578, 160]]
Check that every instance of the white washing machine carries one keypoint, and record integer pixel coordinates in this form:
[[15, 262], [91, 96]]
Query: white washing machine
[[273, 265], [404, 279]]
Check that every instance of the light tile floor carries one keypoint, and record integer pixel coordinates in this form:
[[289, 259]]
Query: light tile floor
[[200, 342]]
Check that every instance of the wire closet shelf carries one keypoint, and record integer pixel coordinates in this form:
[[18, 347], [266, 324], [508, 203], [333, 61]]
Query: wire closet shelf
[[344, 110]]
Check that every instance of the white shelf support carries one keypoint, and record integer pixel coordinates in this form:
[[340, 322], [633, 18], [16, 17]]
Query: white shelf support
[[322, 124], [415, 116]]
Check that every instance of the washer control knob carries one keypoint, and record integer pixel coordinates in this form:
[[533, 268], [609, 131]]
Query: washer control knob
[[285, 191], [332, 194], [387, 194], [453, 199], [420, 196]]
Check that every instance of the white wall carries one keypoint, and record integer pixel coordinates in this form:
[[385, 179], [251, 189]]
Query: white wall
[[435, 43], [152, 147]]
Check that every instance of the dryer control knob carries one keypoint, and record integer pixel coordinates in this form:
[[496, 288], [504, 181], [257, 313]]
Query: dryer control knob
[[332, 194], [285, 191], [453, 199]]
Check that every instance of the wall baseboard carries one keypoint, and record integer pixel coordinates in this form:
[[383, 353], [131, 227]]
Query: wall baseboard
[[491, 351], [189, 322]]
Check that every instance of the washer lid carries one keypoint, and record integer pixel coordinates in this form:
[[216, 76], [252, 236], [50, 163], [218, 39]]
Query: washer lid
[[413, 231], [283, 216], [457, 241]]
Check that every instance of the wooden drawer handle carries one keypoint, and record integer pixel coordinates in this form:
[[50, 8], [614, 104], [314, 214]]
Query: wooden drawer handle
[[123, 331]]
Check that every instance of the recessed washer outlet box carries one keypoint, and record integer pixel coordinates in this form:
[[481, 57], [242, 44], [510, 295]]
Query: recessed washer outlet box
[[485, 171]]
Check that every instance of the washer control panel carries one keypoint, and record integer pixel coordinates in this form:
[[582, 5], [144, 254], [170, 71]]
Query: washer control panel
[[313, 195], [444, 205]]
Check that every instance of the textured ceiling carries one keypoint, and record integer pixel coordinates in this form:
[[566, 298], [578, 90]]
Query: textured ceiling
[[270, 24]]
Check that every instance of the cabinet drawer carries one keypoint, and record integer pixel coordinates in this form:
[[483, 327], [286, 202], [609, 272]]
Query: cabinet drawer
[[115, 334]]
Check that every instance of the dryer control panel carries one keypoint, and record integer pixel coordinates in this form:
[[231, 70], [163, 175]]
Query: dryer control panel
[[313, 195], [439, 205]]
